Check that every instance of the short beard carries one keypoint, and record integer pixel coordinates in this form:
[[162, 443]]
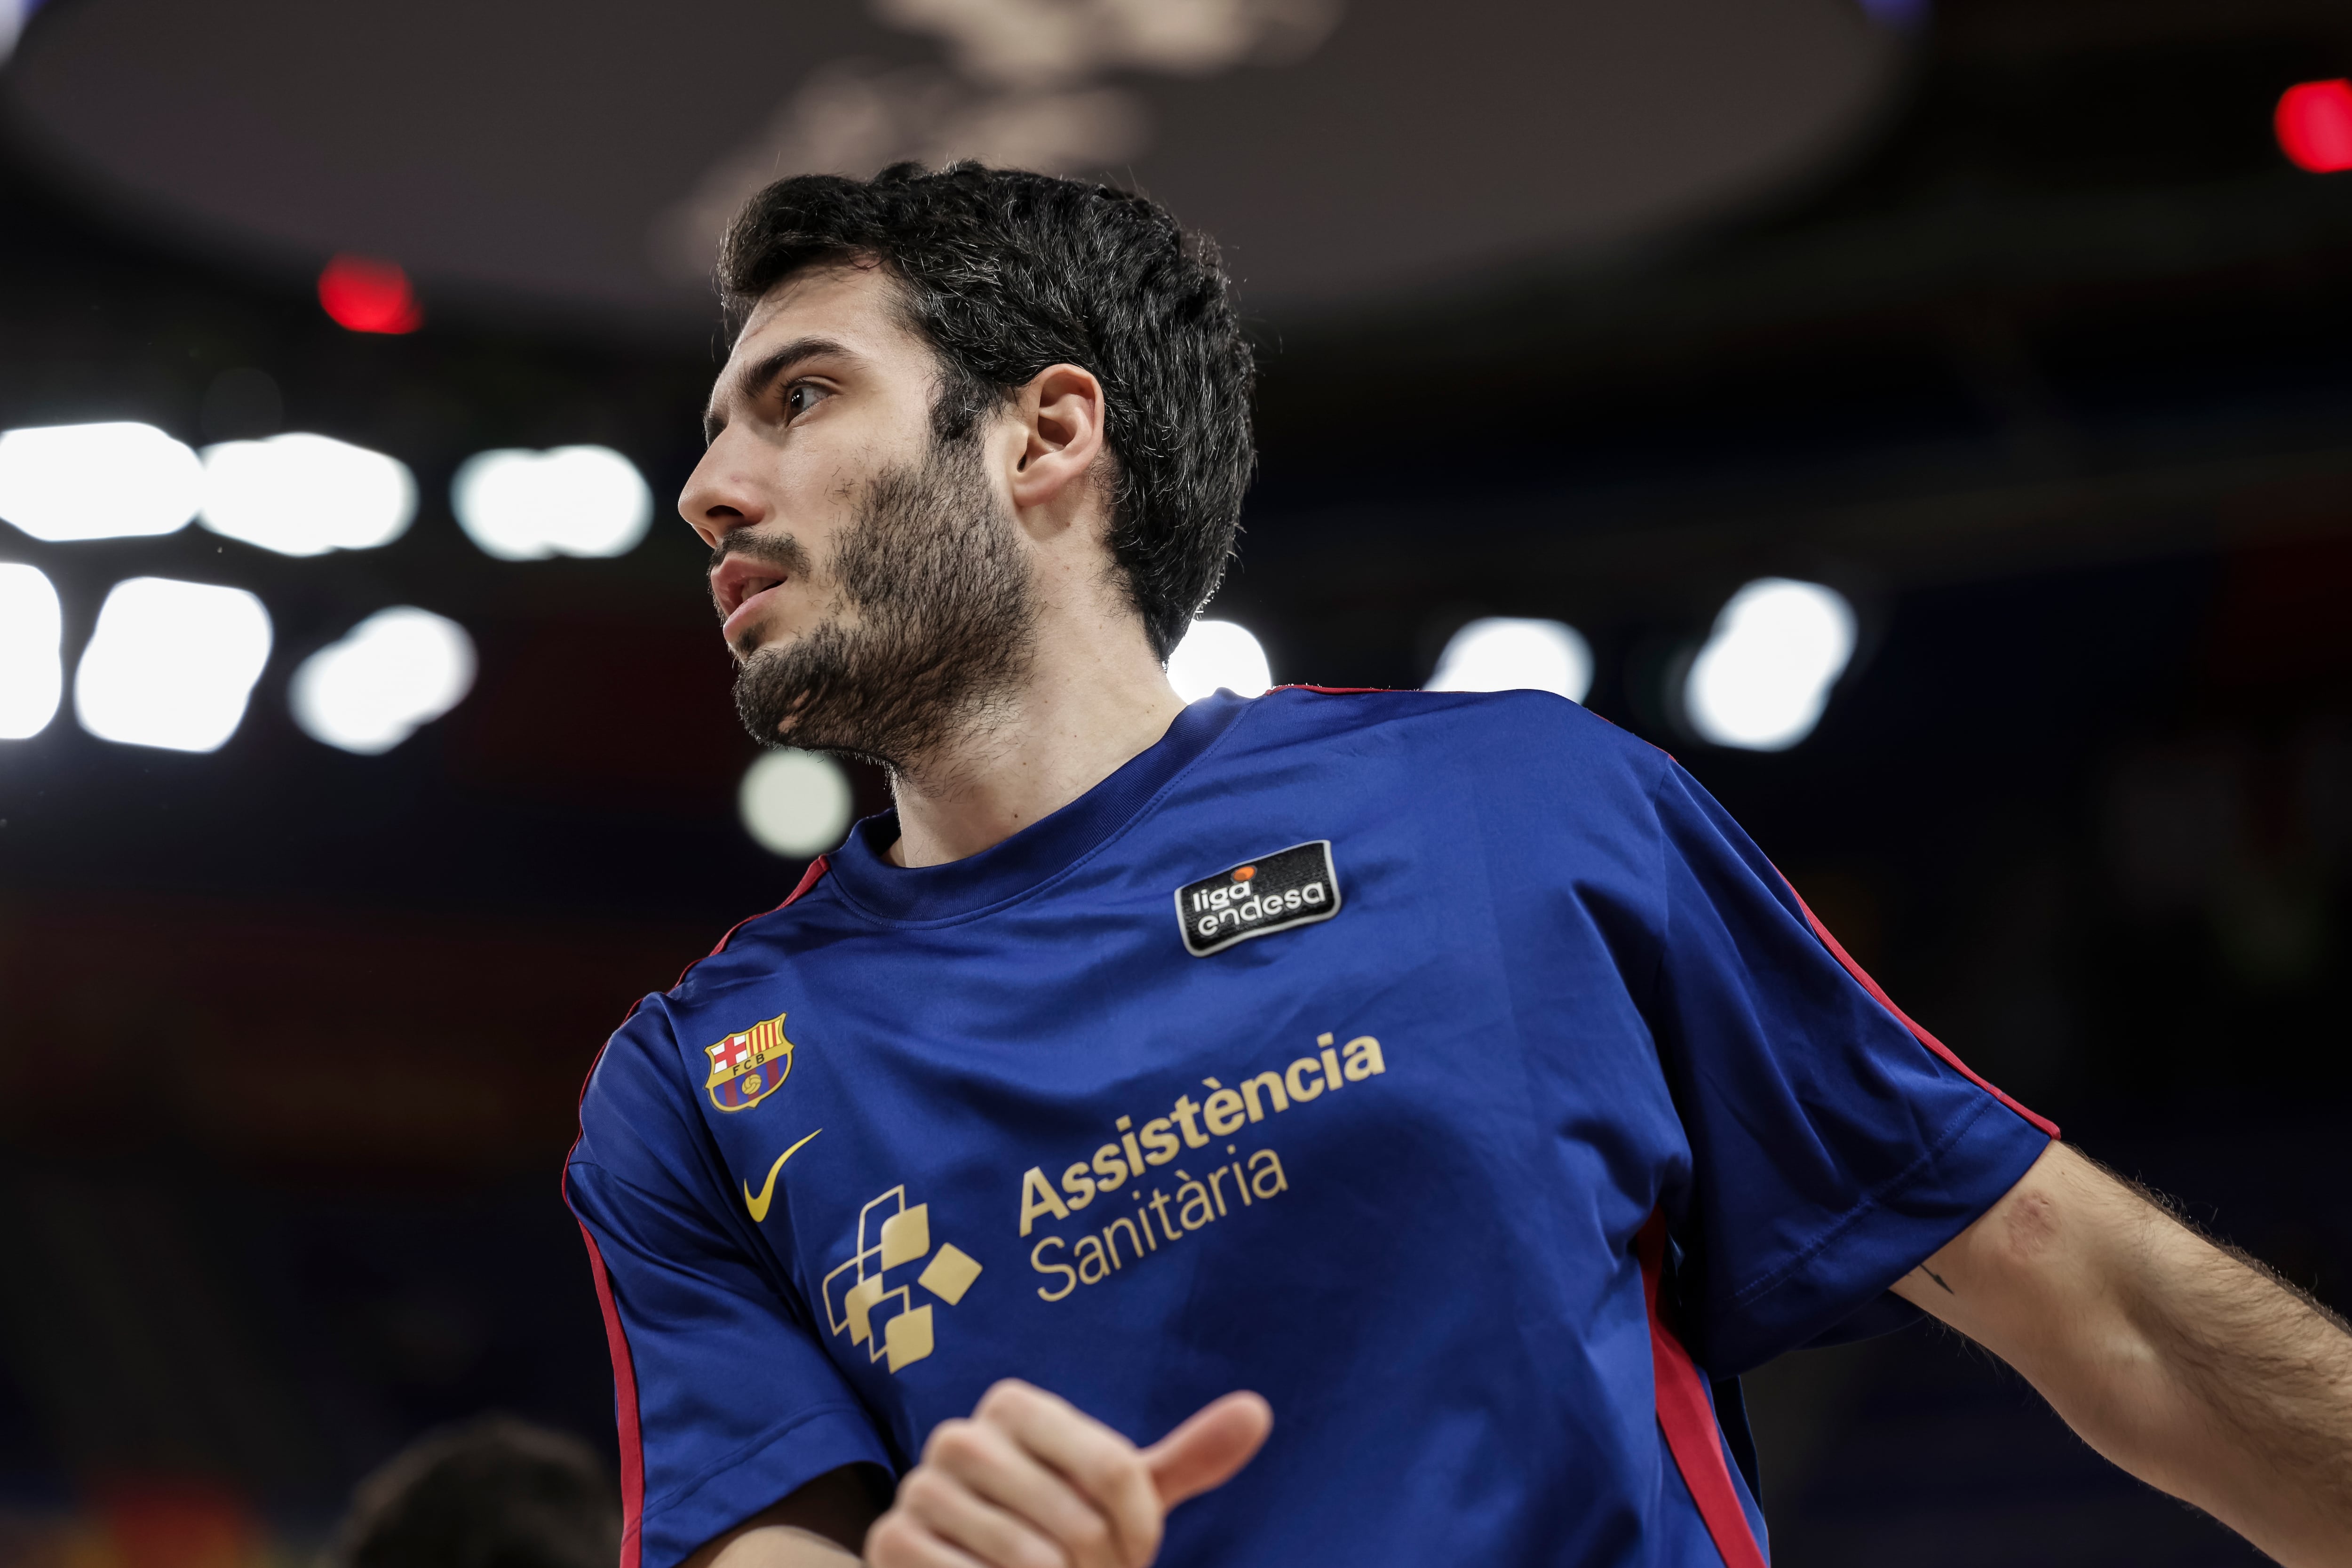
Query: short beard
[[945, 625]]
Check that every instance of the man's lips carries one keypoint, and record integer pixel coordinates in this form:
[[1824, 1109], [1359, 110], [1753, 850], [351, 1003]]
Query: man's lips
[[747, 615], [741, 588]]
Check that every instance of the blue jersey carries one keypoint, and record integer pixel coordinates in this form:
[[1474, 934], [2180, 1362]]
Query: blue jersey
[[1448, 1068]]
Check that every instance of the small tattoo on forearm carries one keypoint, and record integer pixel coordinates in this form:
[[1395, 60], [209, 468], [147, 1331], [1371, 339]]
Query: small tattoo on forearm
[[1938, 1278]]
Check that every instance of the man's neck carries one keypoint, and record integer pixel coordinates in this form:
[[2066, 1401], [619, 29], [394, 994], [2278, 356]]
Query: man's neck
[[1085, 712]]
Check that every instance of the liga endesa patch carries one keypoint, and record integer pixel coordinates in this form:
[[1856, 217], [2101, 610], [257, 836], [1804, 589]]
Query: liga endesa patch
[[1289, 887]]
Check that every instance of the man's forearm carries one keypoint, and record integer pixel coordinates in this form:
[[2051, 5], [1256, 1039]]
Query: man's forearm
[[811, 1529], [2264, 1378], [2190, 1367]]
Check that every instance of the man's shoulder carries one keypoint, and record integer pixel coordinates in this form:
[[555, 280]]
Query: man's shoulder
[[1487, 728], [661, 1042], [749, 950]]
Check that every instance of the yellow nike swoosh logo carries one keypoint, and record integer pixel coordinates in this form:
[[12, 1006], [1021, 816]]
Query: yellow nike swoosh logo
[[759, 1206]]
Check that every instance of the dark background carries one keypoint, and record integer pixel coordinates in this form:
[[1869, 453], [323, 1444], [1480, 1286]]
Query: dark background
[[2050, 371]]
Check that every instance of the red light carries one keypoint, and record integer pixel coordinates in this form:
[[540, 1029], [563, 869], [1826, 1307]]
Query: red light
[[2314, 125], [369, 296]]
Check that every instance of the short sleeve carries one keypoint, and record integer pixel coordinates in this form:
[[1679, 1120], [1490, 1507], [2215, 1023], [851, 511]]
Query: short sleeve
[[1835, 1145], [726, 1403]]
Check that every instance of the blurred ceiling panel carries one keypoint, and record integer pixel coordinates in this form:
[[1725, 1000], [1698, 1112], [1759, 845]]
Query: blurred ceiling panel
[[584, 153]]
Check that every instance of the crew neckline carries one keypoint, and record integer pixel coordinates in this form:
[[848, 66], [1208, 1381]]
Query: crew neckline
[[864, 873]]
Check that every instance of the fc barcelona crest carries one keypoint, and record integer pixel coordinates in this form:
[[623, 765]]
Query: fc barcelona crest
[[746, 1068]]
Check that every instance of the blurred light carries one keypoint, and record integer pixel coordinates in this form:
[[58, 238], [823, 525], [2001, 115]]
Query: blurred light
[[13, 14], [573, 501], [794, 803], [2314, 125], [1765, 674], [369, 296], [62, 482], [1217, 654], [1502, 654], [397, 669], [170, 664], [304, 495], [32, 677]]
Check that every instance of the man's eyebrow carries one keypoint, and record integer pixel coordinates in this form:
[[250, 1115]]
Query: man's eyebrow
[[756, 377]]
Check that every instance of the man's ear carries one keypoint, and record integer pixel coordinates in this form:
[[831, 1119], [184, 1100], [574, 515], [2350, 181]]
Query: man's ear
[[1061, 427]]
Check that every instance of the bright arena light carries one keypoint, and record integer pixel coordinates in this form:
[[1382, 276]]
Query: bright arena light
[[1763, 678], [1504, 654], [397, 669], [796, 804], [572, 501], [67, 482], [170, 664], [32, 677], [304, 495], [1218, 654], [365, 294]]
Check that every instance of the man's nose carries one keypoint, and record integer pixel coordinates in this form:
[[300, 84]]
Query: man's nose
[[718, 499]]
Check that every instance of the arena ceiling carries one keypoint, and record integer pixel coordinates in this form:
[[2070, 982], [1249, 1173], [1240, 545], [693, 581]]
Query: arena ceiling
[[583, 153]]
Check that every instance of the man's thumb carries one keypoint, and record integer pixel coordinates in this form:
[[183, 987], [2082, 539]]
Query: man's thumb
[[1208, 1449]]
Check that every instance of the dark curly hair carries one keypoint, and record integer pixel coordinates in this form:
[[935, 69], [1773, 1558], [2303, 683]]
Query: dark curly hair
[[494, 1493], [1005, 272]]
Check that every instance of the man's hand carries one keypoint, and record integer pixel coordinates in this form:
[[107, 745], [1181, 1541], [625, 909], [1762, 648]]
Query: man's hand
[[2190, 1367], [1030, 1481]]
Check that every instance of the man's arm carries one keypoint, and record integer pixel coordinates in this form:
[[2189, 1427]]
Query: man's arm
[[818, 1526], [2190, 1366]]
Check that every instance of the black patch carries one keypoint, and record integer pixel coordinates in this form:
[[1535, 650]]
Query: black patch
[[1291, 886]]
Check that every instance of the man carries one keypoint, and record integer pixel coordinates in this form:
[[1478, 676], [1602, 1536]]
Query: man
[[495, 1492], [1446, 1070]]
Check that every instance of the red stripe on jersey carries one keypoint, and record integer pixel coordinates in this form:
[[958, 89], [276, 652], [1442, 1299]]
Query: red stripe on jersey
[[1326, 690], [1688, 1417], [624, 1402], [616, 1338], [816, 869], [1922, 1036]]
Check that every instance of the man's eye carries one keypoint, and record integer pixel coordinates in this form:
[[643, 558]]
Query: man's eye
[[801, 396]]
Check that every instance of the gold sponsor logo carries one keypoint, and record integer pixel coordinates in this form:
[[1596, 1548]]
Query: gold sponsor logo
[[871, 1298], [1228, 1183]]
